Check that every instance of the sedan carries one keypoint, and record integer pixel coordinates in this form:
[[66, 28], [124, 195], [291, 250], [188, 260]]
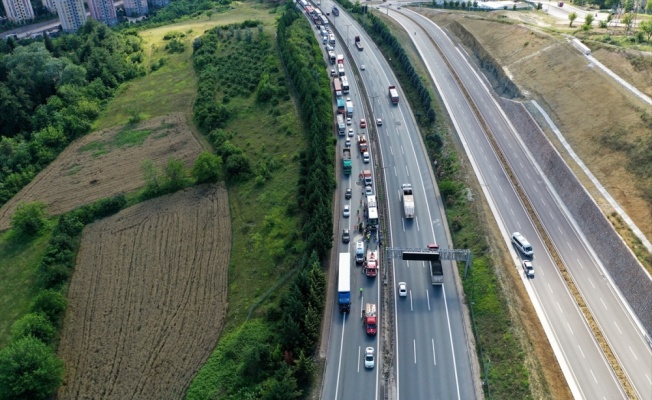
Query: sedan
[[402, 289], [365, 157], [368, 191], [347, 211], [348, 194], [379, 122], [369, 361], [363, 123], [348, 120], [350, 132], [346, 237], [528, 268], [362, 67], [347, 143]]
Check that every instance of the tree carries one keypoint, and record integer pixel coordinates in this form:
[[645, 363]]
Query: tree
[[648, 7], [33, 324], [29, 218], [646, 26], [152, 178], [627, 20], [209, 13], [176, 174], [588, 20], [51, 303], [572, 17], [29, 369], [207, 168]]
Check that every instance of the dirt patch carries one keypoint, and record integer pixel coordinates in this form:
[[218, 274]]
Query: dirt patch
[[106, 163], [597, 116], [148, 298]]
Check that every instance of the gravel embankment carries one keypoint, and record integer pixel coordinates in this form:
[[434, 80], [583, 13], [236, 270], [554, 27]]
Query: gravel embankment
[[616, 257]]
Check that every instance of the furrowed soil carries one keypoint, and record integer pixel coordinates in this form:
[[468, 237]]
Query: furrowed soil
[[106, 163], [148, 297]]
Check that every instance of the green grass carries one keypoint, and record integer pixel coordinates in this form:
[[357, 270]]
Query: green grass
[[18, 267], [172, 87]]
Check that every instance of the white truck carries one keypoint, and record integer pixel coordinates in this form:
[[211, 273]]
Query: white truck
[[408, 200]]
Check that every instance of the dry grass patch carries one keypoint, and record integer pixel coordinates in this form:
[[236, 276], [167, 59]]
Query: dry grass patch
[[105, 163], [148, 297]]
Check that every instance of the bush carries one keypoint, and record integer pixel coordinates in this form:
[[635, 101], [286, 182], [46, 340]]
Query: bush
[[34, 324], [51, 303], [29, 369], [207, 168], [29, 218]]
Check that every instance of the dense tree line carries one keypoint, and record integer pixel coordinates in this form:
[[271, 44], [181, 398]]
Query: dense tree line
[[272, 358], [51, 92], [29, 366]]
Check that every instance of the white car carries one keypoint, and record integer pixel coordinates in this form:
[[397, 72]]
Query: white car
[[379, 122], [365, 157], [362, 67], [369, 359], [402, 289], [350, 132], [347, 211], [368, 191], [348, 121], [528, 269], [347, 143]]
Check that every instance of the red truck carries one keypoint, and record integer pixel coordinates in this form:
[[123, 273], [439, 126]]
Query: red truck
[[362, 144], [393, 94], [371, 265], [370, 318]]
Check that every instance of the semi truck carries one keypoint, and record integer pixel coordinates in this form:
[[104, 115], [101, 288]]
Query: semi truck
[[358, 43], [345, 84], [331, 57], [436, 269], [393, 94], [370, 318], [408, 200], [340, 106], [371, 264], [346, 161], [341, 126], [337, 87], [344, 283], [362, 144], [349, 108]]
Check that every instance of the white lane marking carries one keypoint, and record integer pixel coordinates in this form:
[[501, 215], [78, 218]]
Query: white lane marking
[[391, 151], [359, 351], [648, 378], [414, 344], [395, 173], [570, 329], [402, 150], [550, 287], [581, 266], [593, 375], [603, 303], [407, 171], [416, 219], [579, 347], [512, 210], [411, 308], [560, 309], [621, 332], [634, 354], [591, 282], [428, 299], [560, 231], [434, 357], [339, 363]]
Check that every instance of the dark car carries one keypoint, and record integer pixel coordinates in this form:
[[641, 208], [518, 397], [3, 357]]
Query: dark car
[[348, 193], [346, 237]]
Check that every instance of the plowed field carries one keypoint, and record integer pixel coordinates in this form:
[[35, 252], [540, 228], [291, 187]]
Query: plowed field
[[148, 298], [105, 163]]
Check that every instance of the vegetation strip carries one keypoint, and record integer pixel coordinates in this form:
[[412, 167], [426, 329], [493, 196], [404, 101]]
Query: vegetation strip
[[579, 299]]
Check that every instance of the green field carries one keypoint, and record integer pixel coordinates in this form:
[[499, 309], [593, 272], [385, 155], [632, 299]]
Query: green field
[[18, 266], [172, 87]]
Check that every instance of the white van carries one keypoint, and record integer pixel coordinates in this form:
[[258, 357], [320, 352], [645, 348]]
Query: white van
[[331, 39], [359, 252], [522, 244]]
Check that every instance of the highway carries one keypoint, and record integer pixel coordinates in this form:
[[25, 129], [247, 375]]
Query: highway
[[582, 361], [429, 347]]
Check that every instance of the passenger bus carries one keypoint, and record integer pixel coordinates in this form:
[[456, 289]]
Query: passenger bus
[[372, 212], [345, 84]]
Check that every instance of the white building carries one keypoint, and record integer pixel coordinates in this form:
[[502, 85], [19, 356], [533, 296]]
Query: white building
[[103, 11], [19, 10], [71, 14], [136, 8], [51, 5]]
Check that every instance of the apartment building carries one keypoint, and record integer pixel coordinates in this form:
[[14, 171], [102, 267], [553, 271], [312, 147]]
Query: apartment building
[[136, 8], [19, 11], [103, 11], [71, 14]]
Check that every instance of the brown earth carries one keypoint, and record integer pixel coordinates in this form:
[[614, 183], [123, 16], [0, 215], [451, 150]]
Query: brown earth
[[99, 165], [148, 298], [588, 106]]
